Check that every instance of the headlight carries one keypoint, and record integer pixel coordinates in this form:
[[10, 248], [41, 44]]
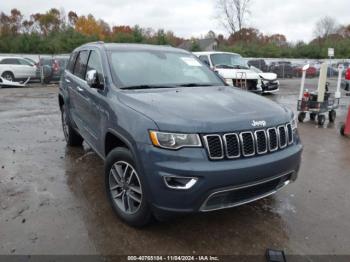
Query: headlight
[[294, 122], [174, 140]]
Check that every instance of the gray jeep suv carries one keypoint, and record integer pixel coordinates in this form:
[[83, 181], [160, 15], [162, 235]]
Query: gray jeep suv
[[175, 138]]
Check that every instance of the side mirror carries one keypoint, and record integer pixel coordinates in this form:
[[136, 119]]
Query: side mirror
[[92, 79]]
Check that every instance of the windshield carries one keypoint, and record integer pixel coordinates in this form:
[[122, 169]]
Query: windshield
[[228, 61], [159, 68]]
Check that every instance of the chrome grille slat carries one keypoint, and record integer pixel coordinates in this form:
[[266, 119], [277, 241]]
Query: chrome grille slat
[[248, 143], [282, 136], [261, 141], [214, 155], [248, 148], [232, 145]]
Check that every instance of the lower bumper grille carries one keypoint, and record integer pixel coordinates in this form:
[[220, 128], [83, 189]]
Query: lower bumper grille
[[244, 194]]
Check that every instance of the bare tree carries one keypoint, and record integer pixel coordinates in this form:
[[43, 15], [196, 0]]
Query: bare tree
[[232, 14], [325, 27]]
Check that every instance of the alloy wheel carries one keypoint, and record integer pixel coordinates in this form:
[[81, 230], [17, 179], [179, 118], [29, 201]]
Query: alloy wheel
[[125, 187]]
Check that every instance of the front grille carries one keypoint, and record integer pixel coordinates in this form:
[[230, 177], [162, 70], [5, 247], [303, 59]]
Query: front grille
[[249, 84], [247, 144]]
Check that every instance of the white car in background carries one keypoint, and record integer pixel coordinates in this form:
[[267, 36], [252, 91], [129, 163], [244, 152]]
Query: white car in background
[[233, 68], [269, 81], [17, 68]]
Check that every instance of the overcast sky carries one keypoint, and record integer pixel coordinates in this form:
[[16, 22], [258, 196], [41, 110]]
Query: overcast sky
[[188, 18]]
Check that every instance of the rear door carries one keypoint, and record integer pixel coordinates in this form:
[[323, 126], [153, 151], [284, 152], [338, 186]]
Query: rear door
[[28, 69], [78, 96]]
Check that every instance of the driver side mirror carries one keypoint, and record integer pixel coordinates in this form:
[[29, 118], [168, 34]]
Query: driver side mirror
[[92, 79]]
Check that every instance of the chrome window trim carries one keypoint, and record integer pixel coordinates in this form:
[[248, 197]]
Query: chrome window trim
[[202, 208], [242, 143], [239, 145], [256, 141], [269, 139], [208, 149], [292, 141], [279, 136]]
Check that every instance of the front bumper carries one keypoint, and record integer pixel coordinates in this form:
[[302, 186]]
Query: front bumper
[[270, 86], [213, 177]]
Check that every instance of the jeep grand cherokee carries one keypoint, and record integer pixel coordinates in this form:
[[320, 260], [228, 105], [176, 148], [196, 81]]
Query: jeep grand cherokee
[[175, 138]]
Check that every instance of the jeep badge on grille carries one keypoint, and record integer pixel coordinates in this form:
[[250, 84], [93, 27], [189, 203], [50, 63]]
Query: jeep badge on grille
[[261, 123]]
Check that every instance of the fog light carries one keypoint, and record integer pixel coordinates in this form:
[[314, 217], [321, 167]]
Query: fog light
[[181, 183]]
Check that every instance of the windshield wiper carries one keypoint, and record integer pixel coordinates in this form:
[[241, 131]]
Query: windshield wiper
[[147, 87], [194, 85]]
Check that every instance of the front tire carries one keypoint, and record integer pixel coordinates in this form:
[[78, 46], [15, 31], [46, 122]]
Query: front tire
[[125, 188], [71, 136], [8, 76]]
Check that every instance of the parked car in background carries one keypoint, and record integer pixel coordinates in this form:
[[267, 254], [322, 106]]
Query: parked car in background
[[347, 79], [17, 68], [260, 64], [233, 68], [310, 72], [269, 81], [31, 60], [283, 69], [51, 68], [174, 137]]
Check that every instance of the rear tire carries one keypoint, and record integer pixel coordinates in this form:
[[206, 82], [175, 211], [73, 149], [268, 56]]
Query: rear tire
[[8, 76], [125, 188], [72, 137], [332, 116]]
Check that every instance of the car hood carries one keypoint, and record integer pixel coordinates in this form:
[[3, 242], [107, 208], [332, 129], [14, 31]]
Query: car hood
[[237, 73], [204, 109], [268, 76]]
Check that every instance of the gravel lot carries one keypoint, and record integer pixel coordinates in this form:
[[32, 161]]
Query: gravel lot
[[52, 198]]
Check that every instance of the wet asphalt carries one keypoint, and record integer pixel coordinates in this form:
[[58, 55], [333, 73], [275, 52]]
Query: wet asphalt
[[52, 198]]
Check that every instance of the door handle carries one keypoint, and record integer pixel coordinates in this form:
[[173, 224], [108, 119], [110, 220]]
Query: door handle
[[67, 80], [80, 89]]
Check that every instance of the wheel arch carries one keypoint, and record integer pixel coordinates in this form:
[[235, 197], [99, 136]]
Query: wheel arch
[[113, 140]]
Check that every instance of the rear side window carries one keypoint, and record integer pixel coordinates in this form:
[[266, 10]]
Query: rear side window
[[71, 62], [80, 64], [24, 62], [10, 61]]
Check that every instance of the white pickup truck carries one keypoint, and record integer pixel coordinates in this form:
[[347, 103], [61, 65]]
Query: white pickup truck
[[236, 72], [16, 68]]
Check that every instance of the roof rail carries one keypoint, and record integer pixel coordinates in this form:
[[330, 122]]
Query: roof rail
[[96, 42]]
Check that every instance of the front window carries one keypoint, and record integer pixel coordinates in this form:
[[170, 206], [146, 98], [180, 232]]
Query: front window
[[160, 68], [228, 61]]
